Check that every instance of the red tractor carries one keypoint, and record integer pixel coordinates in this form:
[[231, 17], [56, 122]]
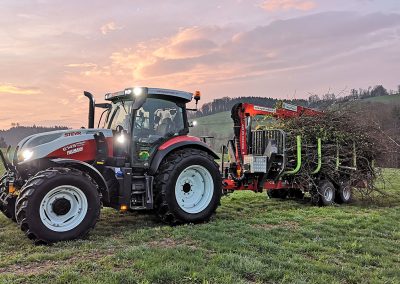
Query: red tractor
[[140, 159]]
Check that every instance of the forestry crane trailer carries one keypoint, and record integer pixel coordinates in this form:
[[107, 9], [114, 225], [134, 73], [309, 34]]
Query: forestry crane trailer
[[258, 157]]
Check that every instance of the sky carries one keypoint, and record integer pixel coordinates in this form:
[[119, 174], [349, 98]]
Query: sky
[[53, 50]]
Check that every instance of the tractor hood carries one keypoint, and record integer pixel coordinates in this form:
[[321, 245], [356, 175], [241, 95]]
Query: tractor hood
[[78, 144]]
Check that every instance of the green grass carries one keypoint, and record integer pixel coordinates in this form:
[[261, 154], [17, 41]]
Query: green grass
[[219, 124], [250, 240]]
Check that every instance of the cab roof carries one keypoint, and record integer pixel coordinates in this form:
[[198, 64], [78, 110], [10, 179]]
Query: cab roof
[[137, 91]]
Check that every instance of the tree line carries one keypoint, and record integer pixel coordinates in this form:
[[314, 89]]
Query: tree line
[[17, 132], [314, 100], [327, 99], [226, 104]]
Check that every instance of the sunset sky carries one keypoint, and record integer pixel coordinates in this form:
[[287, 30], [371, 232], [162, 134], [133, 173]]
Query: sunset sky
[[52, 50]]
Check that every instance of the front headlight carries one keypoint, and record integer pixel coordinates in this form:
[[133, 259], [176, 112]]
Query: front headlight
[[27, 154], [121, 138]]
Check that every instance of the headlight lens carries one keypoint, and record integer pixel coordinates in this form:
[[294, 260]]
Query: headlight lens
[[27, 154], [121, 138]]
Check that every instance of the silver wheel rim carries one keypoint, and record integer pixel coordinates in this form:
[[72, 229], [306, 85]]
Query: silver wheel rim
[[346, 192], [194, 189], [78, 207], [328, 194]]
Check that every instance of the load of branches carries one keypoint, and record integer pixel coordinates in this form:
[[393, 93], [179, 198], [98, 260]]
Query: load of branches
[[354, 146]]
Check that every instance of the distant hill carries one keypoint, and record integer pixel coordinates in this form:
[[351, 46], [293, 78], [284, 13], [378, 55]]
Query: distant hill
[[220, 125], [15, 134], [391, 99]]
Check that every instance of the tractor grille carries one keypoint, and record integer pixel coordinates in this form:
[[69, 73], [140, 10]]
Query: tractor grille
[[260, 140]]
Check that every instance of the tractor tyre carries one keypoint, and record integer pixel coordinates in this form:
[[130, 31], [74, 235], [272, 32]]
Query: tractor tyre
[[2, 192], [58, 204], [8, 207], [344, 194], [324, 195], [188, 187]]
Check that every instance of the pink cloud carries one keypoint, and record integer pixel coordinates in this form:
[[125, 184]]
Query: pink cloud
[[109, 27], [278, 5]]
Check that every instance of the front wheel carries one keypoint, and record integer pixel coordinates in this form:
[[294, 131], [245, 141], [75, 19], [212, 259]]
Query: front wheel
[[188, 187], [58, 204], [324, 194]]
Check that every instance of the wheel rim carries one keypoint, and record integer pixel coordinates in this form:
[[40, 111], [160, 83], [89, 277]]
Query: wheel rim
[[328, 194], [346, 192], [63, 208], [194, 189]]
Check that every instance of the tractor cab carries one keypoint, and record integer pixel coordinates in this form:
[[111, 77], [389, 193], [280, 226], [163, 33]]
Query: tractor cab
[[144, 118]]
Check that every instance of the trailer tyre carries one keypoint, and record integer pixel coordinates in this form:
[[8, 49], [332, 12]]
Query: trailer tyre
[[344, 194], [58, 204], [325, 194], [188, 187]]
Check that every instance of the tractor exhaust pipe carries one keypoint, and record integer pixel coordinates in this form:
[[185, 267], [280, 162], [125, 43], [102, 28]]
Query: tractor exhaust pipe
[[91, 109]]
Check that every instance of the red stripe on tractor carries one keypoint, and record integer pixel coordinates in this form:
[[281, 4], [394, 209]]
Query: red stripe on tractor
[[177, 140], [81, 151]]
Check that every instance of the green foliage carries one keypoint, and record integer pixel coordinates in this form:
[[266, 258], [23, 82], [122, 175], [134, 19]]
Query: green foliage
[[251, 239]]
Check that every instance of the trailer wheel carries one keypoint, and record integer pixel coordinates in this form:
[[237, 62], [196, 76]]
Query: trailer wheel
[[188, 187], [324, 194], [58, 204], [344, 194]]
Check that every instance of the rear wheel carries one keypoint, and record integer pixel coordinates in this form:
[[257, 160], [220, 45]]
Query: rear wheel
[[344, 194], [58, 204], [188, 187]]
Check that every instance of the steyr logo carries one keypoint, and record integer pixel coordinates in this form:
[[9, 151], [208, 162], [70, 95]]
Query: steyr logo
[[72, 134]]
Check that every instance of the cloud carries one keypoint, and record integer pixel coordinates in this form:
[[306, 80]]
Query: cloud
[[15, 90], [190, 42], [109, 27], [81, 65], [278, 5], [206, 55]]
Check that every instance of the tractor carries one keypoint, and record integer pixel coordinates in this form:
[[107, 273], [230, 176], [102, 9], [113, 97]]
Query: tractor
[[139, 157]]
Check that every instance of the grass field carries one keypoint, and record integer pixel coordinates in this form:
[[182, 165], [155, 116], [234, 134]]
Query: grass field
[[250, 240], [393, 99]]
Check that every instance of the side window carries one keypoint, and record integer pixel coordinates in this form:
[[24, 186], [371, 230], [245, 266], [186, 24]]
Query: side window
[[158, 119]]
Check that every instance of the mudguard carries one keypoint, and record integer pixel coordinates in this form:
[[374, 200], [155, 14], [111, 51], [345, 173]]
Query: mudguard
[[163, 151], [90, 170]]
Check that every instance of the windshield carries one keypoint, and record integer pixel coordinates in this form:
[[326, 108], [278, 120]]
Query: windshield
[[119, 114]]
